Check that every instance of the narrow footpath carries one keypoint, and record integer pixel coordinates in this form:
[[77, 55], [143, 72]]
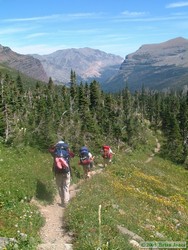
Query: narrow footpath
[[53, 234]]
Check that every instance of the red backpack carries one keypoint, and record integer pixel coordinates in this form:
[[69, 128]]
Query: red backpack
[[106, 152], [61, 157], [84, 156]]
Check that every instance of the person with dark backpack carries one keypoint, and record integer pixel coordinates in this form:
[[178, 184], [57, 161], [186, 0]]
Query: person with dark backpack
[[61, 168], [86, 160]]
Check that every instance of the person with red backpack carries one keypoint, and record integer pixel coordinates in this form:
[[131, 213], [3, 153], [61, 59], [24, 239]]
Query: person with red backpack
[[62, 170], [86, 160], [107, 154]]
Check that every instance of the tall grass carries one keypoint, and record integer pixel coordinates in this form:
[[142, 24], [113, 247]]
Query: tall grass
[[25, 173], [148, 198]]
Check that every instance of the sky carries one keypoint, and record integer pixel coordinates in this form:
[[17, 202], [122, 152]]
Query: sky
[[119, 27]]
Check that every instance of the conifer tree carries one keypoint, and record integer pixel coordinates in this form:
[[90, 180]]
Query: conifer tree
[[73, 91], [173, 148], [7, 108], [183, 123], [19, 84], [95, 94], [72, 84], [83, 101], [50, 84], [2, 107], [142, 101], [157, 110], [87, 121], [107, 119], [127, 103]]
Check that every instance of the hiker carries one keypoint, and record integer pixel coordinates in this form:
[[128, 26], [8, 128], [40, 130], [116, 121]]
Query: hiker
[[107, 154], [62, 170], [86, 160]]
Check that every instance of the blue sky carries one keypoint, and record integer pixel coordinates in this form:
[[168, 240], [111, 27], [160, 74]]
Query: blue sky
[[119, 27]]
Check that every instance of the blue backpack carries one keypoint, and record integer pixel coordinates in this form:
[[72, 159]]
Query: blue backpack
[[84, 156], [61, 151]]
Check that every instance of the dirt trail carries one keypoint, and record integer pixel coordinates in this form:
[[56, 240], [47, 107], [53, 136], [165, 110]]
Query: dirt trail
[[156, 150], [53, 234]]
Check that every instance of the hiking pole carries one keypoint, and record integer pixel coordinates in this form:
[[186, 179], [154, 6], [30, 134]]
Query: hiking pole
[[99, 216]]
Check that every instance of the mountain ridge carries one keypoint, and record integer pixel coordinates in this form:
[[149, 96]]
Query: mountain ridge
[[89, 64], [26, 64], [159, 66]]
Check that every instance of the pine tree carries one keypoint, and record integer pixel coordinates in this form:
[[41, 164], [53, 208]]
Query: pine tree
[[7, 108], [2, 108], [183, 123], [142, 103], [19, 84], [72, 84], [173, 148], [157, 110], [95, 96]]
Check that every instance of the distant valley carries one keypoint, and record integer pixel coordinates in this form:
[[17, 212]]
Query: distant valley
[[160, 66], [88, 64]]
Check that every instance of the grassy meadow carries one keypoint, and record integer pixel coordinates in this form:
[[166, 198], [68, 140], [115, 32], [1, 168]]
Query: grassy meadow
[[25, 173], [149, 198]]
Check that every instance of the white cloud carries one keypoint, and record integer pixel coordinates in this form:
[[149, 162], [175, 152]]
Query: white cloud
[[37, 35], [56, 17], [177, 5], [84, 15], [127, 13], [181, 16], [31, 18], [41, 49], [9, 31]]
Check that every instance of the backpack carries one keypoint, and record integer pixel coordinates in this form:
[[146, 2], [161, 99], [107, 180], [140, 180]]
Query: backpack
[[61, 158], [106, 152], [84, 156]]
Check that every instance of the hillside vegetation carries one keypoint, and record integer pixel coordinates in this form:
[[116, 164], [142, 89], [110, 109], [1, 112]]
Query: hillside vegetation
[[22, 178], [28, 81], [147, 197]]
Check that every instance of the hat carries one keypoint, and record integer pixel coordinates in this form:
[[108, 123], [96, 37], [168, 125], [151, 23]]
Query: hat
[[60, 142]]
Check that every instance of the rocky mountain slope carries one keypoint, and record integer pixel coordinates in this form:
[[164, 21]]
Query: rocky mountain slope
[[88, 64], [161, 66], [156, 66], [26, 64]]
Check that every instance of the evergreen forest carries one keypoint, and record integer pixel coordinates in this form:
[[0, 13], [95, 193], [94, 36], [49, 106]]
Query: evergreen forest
[[147, 197], [84, 114]]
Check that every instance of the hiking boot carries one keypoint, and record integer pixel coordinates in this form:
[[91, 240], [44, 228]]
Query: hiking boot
[[64, 205]]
